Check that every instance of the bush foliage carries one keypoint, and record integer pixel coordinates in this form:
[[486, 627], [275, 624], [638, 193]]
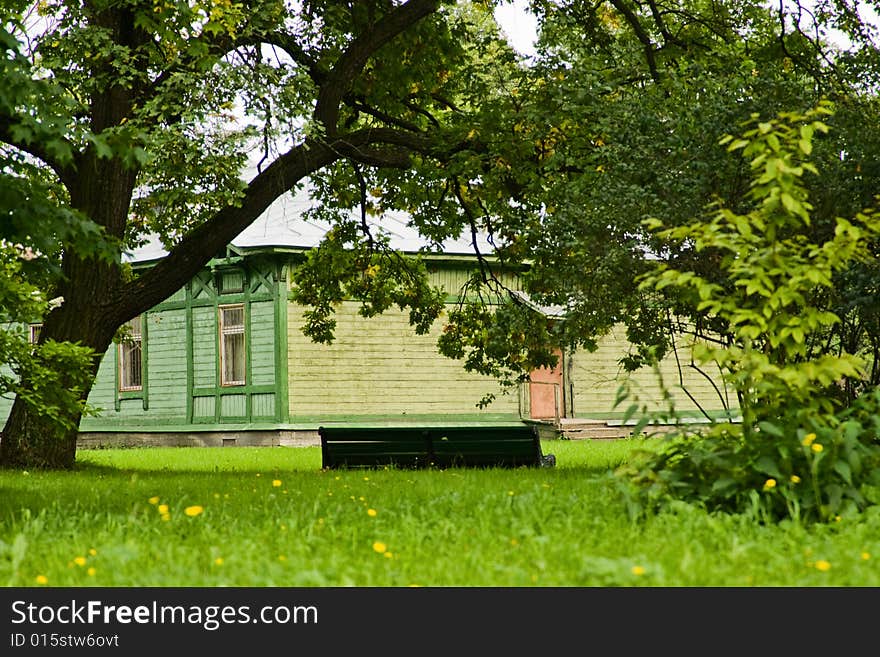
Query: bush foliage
[[797, 451]]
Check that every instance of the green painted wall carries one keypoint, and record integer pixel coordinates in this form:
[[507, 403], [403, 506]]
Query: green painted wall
[[5, 402], [163, 399], [262, 339], [5, 407], [182, 385]]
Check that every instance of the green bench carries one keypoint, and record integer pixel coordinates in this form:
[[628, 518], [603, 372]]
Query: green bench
[[424, 447]]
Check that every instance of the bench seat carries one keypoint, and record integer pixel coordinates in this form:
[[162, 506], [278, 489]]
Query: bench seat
[[441, 447]]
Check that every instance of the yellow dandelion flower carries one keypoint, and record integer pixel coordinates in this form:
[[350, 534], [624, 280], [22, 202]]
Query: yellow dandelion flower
[[166, 517], [514, 542], [866, 556], [281, 557], [816, 447], [770, 483], [808, 439], [79, 561], [361, 498], [276, 483], [42, 579], [218, 561], [259, 475], [193, 511], [93, 551], [823, 565], [380, 547], [366, 478], [836, 518], [511, 493], [371, 513], [154, 499], [163, 508], [637, 570], [91, 572], [388, 555], [795, 479]]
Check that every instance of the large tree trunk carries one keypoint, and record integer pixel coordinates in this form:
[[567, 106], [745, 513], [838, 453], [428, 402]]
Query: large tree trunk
[[32, 439], [89, 315]]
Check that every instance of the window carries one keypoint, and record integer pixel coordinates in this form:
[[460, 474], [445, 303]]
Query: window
[[130, 357], [34, 333], [232, 345]]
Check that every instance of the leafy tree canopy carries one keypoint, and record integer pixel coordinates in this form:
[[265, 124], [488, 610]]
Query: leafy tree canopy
[[619, 119]]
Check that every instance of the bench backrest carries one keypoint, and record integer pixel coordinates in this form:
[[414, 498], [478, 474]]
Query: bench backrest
[[417, 447]]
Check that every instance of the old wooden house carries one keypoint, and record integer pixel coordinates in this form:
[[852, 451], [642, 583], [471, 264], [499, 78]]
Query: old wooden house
[[223, 361]]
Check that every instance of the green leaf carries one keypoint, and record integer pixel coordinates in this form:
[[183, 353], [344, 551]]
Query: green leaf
[[769, 466], [790, 204], [771, 428], [630, 411], [842, 468], [102, 148]]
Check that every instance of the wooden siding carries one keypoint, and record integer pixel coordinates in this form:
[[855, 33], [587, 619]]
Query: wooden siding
[[376, 368], [595, 378], [5, 407], [379, 366], [262, 343], [163, 399], [451, 277], [182, 381], [166, 366], [204, 330], [103, 393]]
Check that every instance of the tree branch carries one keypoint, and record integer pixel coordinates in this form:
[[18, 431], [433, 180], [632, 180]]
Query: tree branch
[[37, 149], [641, 35], [204, 241], [354, 58]]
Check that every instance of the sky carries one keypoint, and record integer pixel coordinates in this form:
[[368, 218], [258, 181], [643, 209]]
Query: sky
[[520, 27]]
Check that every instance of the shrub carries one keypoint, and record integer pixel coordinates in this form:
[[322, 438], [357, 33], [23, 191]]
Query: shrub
[[795, 453]]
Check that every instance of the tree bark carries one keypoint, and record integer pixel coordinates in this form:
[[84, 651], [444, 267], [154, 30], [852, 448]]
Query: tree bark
[[37, 441]]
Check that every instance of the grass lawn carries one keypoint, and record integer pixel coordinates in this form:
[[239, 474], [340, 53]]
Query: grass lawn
[[271, 517]]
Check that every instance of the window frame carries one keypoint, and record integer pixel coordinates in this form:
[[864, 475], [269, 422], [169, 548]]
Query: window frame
[[34, 332], [124, 349], [225, 331]]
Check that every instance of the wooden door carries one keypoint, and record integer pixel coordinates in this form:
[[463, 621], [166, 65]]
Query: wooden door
[[546, 392]]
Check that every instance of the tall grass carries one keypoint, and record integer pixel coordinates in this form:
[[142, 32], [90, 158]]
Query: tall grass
[[272, 517]]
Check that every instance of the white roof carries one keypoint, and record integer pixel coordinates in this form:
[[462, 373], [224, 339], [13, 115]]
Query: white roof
[[283, 225]]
